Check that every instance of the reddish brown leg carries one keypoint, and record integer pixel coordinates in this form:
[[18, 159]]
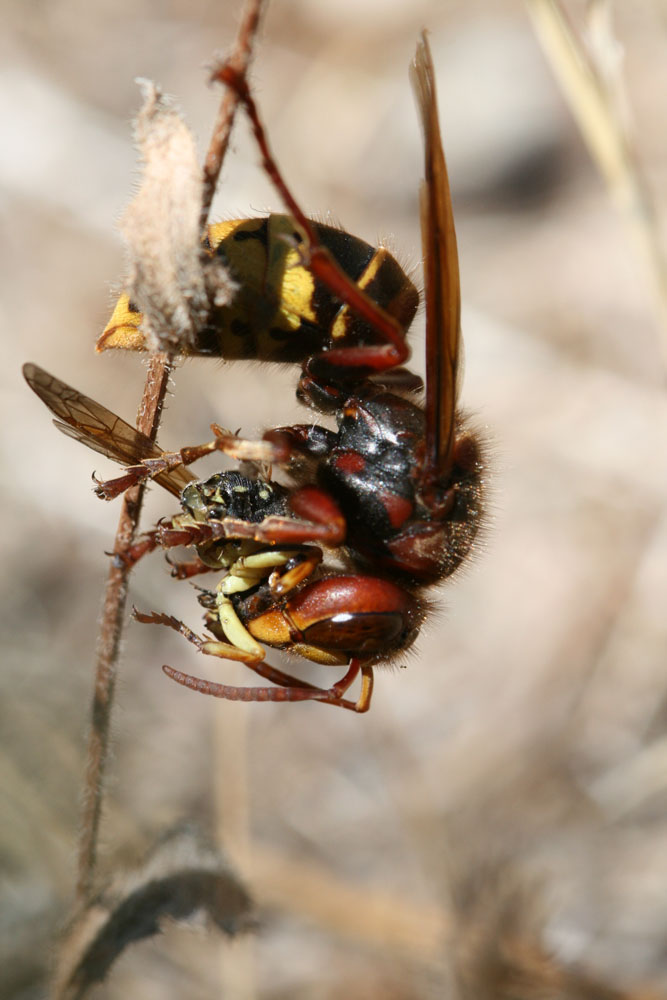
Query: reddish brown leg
[[394, 351], [282, 581], [279, 530], [158, 618], [149, 468], [147, 543], [186, 569], [165, 537], [260, 667], [318, 518], [292, 689]]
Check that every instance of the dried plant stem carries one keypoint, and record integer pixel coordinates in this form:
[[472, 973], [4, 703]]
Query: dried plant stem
[[111, 628], [116, 592], [592, 84], [240, 60]]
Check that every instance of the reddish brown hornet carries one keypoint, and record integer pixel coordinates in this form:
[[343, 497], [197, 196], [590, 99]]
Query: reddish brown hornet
[[396, 485], [273, 590]]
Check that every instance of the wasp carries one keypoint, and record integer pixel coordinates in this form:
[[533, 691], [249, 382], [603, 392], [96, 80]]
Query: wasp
[[281, 312], [397, 485]]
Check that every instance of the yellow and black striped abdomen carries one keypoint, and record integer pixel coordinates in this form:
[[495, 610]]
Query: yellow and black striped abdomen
[[280, 312]]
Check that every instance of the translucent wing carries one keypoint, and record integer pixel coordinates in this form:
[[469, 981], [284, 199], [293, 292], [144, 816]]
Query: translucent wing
[[91, 423], [441, 277]]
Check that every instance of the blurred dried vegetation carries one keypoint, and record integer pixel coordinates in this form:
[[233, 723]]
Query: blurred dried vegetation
[[496, 826]]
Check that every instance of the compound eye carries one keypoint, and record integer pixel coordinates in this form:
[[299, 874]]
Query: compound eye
[[194, 502]]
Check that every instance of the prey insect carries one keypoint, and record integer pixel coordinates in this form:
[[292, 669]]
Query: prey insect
[[281, 311], [274, 590]]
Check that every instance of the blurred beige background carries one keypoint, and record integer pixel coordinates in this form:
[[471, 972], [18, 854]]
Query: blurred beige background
[[516, 773]]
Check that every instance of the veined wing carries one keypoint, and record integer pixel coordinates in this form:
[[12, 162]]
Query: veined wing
[[442, 288], [88, 421]]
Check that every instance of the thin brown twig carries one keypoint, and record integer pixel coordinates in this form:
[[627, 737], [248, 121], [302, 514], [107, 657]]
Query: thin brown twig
[[148, 420], [222, 130]]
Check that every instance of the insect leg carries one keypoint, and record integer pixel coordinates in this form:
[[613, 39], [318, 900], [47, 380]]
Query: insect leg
[[286, 569], [291, 689], [220, 649], [168, 461], [169, 535], [186, 569], [294, 575], [318, 518], [223, 650]]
